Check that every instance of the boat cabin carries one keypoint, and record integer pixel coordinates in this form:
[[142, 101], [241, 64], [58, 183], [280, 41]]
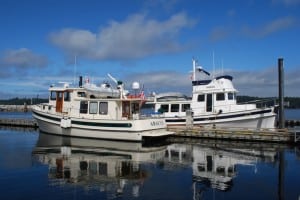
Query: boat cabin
[[77, 102]]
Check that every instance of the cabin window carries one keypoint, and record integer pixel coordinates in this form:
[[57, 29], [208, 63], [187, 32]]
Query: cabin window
[[59, 95], [83, 107], [230, 96], [174, 107], [81, 94], [66, 96], [135, 107], [103, 108], [93, 107], [53, 95], [185, 107], [164, 108], [220, 97], [201, 97]]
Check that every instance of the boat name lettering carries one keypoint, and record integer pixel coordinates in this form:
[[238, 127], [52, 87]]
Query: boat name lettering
[[157, 123]]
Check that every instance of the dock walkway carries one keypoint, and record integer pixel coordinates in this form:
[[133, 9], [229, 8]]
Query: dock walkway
[[275, 135], [31, 123]]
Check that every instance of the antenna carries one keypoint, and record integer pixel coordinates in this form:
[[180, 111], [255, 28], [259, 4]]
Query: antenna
[[112, 78], [213, 64], [194, 69]]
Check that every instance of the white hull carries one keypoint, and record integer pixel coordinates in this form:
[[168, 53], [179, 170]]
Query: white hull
[[130, 130], [229, 120]]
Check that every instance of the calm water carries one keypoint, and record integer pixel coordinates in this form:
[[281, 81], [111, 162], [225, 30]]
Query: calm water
[[35, 165]]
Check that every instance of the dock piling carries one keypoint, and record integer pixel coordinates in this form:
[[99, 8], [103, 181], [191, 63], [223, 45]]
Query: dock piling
[[281, 118]]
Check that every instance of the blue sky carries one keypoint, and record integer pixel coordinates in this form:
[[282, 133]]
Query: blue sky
[[150, 41]]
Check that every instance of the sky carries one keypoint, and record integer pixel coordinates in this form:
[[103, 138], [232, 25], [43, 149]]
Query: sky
[[150, 41]]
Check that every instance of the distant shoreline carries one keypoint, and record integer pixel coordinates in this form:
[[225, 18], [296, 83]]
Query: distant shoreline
[[15, 108]]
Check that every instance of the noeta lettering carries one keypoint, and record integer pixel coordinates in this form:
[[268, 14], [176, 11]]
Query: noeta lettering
[[157, 123]]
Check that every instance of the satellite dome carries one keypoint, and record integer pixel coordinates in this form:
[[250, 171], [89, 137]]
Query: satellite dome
[[135, 85]]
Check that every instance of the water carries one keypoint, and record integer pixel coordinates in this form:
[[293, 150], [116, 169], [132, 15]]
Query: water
[[14, 115], [35, 165]]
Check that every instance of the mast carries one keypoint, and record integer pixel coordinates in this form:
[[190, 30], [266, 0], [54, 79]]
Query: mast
[[213, 64], [194, 70]]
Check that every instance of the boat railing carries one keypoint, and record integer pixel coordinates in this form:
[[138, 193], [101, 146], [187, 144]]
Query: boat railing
[[250, 105], [261, 103]]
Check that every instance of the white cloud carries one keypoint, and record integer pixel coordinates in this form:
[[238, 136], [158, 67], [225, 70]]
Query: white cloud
[[286, 2], [136, 37], [262, 83], [270, 27], [22, 58]]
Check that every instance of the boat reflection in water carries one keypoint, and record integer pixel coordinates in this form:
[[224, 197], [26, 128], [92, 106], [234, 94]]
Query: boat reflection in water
[[96, 164], [121, 168], [214, 166]]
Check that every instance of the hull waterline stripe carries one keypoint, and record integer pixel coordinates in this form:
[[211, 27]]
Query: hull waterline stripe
[[119, 125], [48, 117]]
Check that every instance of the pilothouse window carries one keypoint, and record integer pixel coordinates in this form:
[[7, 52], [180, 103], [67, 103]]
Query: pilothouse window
[[66, 96], [81, 94], [53, 95], [93, 107], [201, 97], [230, 96], [175, 108], [220, 97], [164, 108], [83, 107], [185, 107], [103, 108]]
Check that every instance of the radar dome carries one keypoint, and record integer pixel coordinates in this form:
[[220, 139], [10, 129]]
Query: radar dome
[[135, 85]]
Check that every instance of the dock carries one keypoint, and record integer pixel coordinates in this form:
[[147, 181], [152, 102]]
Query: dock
[[30, 123], [274, 135]]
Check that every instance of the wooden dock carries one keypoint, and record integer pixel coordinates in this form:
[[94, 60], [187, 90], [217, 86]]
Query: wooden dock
[[30, 123], [276, 135]]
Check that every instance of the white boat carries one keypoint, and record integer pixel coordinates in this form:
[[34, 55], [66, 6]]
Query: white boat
[[213, 104], [74, 111]]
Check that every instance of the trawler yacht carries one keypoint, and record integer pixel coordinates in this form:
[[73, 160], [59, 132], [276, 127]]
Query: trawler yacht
[[78, 112], [213, 104]]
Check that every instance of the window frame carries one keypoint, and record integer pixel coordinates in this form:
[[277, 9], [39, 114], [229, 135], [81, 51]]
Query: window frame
[[93, 107], [175, 107], [83, 109], [220, 96], [101, 110], [201, 98]]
